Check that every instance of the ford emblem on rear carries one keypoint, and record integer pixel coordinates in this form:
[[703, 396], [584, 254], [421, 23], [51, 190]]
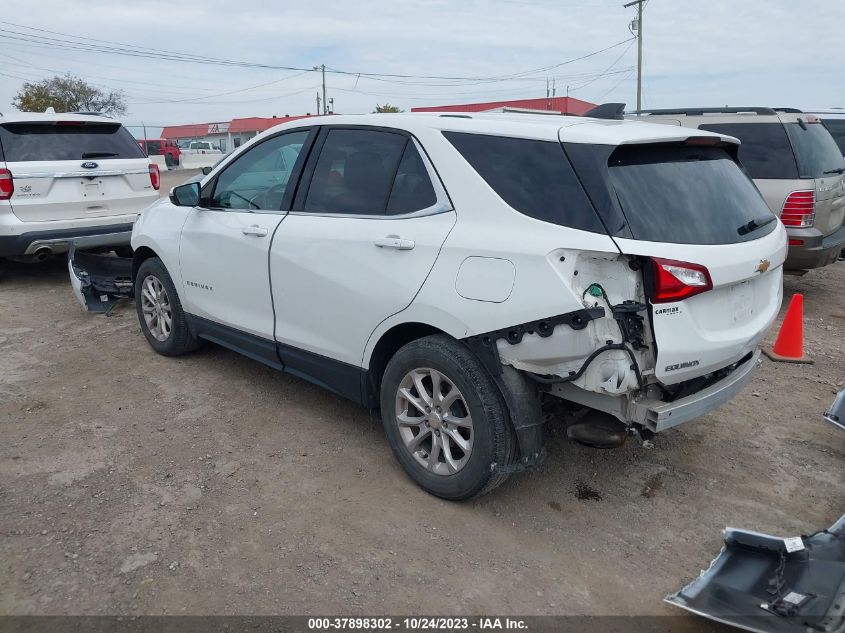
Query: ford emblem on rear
[[90, 165]]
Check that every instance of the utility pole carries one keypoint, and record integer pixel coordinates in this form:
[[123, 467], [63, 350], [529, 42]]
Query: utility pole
[[322, 68], [639, 4], [318, 102]]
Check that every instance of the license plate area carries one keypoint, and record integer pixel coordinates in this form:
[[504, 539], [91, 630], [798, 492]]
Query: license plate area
[[92, 190], [741, 301]]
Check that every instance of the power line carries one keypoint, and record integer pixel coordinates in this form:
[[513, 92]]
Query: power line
[[103, 46]]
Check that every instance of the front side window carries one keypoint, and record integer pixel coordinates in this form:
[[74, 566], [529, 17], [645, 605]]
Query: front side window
[[258, 179], [765, 150], [67, 140], [355, 172], [533, 177]]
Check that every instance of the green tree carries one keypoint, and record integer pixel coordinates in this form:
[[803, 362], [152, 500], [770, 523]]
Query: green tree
[[68, 94], [387, 108]]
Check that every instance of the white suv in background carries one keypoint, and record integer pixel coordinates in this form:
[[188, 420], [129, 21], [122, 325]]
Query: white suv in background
[[455, 272], [69, 177]]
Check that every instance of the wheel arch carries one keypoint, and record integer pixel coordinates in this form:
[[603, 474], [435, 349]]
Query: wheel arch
[[141, 254]]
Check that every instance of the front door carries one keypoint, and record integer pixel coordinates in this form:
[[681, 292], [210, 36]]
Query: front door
[[358, 245], [225, 243]]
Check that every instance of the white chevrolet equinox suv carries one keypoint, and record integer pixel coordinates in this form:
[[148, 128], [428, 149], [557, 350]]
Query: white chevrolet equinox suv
[[456, 272], [66, 177]]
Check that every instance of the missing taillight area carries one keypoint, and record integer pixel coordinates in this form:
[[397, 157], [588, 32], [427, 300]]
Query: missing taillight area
[[155, 176], [675, 281], [7, 184], [799, 209]]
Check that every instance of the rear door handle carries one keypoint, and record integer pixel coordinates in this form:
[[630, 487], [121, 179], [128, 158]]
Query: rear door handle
[[394, 241], [256, 230]]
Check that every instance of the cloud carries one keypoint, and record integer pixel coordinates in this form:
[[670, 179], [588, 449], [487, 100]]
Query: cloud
[[755, 52]]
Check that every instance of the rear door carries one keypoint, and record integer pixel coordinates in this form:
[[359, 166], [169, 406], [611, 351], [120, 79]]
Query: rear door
[[691, 208], [73, 169], [358, 245]]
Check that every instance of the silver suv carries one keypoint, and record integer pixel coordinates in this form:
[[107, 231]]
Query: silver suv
[[69, 177], [795, 164]]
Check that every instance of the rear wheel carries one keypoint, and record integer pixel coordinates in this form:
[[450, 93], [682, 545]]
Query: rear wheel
[[445, 419], [160, 312]]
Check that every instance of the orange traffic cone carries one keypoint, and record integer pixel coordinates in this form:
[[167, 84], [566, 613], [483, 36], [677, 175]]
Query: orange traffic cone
[[789, 346]]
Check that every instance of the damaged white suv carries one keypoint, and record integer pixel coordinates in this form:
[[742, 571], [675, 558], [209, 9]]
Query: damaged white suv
[[455, 271]]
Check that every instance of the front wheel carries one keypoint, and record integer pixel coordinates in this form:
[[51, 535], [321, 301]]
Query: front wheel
[[445, 419], [160, 312]]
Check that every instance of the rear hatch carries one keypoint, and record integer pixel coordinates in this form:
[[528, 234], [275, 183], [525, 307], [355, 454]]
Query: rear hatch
[[820, 160], [67, 170], [711, 251]]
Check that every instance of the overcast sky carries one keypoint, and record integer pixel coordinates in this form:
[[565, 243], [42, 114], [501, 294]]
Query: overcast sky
[[697, 52]]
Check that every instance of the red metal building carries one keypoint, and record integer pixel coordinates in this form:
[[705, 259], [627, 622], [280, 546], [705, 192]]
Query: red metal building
[[565, 105]]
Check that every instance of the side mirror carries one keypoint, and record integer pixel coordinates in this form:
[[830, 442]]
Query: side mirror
[[206, 170], [187, 195]]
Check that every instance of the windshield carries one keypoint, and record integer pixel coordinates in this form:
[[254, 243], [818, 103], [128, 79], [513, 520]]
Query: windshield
[[817, 153], [687, 195], [66, 141]]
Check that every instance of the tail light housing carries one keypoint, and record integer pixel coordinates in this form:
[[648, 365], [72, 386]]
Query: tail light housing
[[799, 210], [7, 184], [155, 176], [675, 281]]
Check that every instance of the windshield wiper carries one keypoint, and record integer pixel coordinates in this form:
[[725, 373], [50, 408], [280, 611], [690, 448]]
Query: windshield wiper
[[838, 170], [98, 154], [753, 225]]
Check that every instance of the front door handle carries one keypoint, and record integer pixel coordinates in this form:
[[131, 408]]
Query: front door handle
[[258, 231], [394, 241]]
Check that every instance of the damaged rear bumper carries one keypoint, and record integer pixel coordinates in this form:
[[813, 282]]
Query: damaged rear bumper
[[99, 281], [773, 585], [658, 415]]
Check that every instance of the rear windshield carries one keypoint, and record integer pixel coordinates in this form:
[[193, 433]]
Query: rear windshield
[[765, 151], [51, 141], [687, 195], [533, 177], [817, 153], [836, 127]]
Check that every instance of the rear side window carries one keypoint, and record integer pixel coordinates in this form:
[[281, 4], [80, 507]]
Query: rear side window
[[687, 195], [355, 172], [412, 189], [67, 141], [765, 151], [533, 177], [836, 127], [817, 153]]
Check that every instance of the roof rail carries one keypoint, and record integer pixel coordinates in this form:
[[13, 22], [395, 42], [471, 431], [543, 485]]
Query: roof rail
[[456, 116], [613, 111], [790, 110], [88, 113], [700, 111], [511, 110]]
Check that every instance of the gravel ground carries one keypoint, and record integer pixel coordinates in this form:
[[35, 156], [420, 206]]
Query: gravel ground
[[131, 483]]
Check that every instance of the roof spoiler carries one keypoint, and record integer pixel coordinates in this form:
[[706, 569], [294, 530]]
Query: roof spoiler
[[613, 111]]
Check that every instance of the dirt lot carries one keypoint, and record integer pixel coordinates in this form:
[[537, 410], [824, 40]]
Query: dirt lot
[[132, 483]]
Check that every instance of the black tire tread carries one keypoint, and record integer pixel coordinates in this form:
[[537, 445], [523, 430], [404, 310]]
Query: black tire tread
[[495, 408]]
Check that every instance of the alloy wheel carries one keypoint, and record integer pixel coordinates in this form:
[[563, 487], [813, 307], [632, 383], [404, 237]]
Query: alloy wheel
[[155, 305], [434, 421]]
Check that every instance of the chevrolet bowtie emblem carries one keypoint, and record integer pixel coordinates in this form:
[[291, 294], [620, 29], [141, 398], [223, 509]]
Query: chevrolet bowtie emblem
[[763, 266]]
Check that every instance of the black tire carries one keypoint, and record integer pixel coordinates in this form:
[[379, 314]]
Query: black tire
[[179, 339], [493, 443]]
